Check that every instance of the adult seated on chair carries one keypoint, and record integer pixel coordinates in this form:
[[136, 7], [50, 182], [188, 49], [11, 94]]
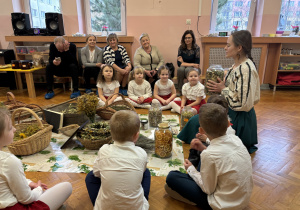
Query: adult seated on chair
[[116, 56], [92, 59], [188, 56], [62, 63]]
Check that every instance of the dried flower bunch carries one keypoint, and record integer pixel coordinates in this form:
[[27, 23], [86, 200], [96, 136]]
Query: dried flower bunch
[[26, 132], [87, 103], [72, 109], [95, 131]]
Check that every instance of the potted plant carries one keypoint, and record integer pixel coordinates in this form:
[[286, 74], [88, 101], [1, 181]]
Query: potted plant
[[104, 30]]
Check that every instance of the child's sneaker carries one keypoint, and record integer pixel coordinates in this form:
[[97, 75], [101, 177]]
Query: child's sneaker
[[49, 95]]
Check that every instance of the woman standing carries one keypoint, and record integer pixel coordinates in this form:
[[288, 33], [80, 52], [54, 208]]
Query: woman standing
[[188, 57], [116, 56], [149, 58], [91, 57], [241, 88]]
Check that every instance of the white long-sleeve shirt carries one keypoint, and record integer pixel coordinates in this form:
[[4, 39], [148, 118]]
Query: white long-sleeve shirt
[[121, 167], [242, 89], [14, 187], [225, 174], [135, 90]]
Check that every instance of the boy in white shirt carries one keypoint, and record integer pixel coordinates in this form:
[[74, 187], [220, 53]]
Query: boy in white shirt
[[225, 177], [124, 179]]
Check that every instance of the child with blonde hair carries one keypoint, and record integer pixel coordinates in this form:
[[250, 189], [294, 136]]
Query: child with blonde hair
[[17, 192], [164, 89], [192, 93], [139, 89], [120, 179], [107, 85]]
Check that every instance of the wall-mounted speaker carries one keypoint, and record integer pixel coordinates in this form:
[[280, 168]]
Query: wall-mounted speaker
[[54, 24], [20, 23]]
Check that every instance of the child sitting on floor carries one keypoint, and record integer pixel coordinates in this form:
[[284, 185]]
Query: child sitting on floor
[[139, 89], [164, 89], [120, 168], [225, 177], [107, 85], [192, 93], [17, 192]]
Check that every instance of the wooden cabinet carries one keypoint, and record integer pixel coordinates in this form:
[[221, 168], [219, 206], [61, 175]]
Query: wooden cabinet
[[267, 59]]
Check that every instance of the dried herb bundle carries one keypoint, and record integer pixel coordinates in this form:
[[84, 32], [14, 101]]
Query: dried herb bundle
[[87, 103], [72, 109], [95, 131], [26, 132]]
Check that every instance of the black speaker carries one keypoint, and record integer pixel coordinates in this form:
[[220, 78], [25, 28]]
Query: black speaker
[[54, 24], [20, 23]]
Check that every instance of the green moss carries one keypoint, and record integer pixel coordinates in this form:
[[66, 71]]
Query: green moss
[[84, 168], [175, 162], [179, 142], [54, 140], [78, 148], [182, 170], [51, 159], [55, 167], [25, 167], [152, 172]]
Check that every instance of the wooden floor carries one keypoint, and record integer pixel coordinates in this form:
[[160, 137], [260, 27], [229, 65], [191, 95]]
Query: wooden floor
[[276, 164]]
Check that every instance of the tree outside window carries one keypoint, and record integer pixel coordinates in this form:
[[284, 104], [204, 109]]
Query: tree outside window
[[106, 13], [240, 10], [289, 15]]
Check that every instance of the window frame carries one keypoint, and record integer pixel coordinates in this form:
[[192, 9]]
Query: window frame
[[288, 22], [214, 16], [88, 19]]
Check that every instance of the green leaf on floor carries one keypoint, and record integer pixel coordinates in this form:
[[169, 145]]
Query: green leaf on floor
[[85, 152], [155, 155], [55, 167], [20, 157], [175, 162], [44, 152], [54, 140], [74, 157], [84, 168], [179, 142], [152, 172], [25, 167], [51, 159]]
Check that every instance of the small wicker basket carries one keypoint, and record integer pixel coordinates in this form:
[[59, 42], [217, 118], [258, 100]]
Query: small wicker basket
[[93, 144], [34, 143], [69, 130], [12, 103], [107, 111]]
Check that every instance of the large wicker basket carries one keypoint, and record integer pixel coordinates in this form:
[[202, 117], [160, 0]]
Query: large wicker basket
[[107, 111], [12, 103], [93, 144], [34, 143]]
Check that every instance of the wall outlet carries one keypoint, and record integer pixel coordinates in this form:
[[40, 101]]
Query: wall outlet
[[188, 21]]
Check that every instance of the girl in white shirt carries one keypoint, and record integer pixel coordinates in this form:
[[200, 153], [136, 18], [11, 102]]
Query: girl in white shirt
[[139, 90], [107, 85], [164, 89], [192, 93], [17, 192]]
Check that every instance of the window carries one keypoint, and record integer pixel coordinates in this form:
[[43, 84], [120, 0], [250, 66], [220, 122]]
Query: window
[[238, 3], [38, 9], [34, 12], [289, 15], [110, 13], [241, 16], [238, 14]]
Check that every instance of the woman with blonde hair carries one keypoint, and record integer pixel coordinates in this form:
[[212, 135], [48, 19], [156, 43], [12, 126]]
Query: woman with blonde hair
[[149, 58]]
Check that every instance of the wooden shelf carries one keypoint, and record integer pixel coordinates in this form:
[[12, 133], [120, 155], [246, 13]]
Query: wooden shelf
[[288, 70], [286, 56]]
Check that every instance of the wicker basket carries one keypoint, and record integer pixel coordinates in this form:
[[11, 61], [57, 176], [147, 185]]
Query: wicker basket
[[69, 130], [12, 103], [93, 144], [37, 109], [34, 143], [107, 111]]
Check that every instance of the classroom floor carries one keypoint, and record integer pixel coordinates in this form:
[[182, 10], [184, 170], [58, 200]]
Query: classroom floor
[[276, 163]]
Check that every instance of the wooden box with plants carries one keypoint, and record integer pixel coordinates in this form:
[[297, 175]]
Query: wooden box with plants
[[30, 137]]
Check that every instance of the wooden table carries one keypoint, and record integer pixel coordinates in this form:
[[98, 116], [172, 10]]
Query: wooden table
[[29, 79]]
